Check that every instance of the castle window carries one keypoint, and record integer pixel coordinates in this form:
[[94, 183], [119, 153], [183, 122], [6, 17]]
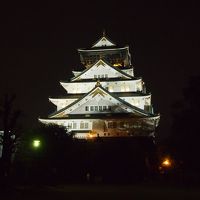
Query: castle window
[[86, 125], [86, 108], [106, 75], [100, 108], [109, 108], [74, 125], [96, 108], [95, 76], [69, 125], [91, 108], [104, 108], [82, 125]]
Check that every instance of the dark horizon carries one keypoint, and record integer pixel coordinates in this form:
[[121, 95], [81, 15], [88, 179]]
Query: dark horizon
[[39, 48]]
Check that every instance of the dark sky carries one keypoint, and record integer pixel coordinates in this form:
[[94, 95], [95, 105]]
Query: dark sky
[[39, 42]]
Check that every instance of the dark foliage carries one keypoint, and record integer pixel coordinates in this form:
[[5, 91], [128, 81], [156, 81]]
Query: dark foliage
[[10, 137], [62, 158], [185, 138]]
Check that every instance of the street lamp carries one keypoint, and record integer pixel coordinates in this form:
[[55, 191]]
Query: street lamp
[[36, 143], [166, 165], [166, 162]]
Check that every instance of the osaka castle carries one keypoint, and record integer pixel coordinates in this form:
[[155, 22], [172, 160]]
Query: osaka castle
[[105, 99]]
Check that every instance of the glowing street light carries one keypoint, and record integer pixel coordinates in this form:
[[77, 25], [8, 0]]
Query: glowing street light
[[36, 143], [166, 162], [90, 136]]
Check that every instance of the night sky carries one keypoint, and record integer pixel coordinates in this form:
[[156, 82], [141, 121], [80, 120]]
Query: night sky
[[39, 44]]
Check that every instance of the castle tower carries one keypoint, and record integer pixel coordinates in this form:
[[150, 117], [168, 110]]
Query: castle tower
[[105, 99]]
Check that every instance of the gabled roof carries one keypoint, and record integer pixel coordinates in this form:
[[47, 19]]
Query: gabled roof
[[103, 42], [101, 62], [98, 89]]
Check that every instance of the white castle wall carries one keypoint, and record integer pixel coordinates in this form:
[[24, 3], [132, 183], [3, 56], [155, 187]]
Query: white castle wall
[[128, 71], [72, 124], [61, 103], [138, 101], [99, 101], [101, 71], [111, 86]]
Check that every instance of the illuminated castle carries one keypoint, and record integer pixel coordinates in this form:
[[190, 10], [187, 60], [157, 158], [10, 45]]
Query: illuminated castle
[[105, 99]]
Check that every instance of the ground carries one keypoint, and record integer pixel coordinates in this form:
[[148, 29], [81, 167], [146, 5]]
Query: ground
[[104, 192]]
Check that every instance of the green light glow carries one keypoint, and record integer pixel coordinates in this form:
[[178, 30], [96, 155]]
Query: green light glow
[[36, 143]]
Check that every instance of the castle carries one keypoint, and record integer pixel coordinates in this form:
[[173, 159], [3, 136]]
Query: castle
[[105, 99]]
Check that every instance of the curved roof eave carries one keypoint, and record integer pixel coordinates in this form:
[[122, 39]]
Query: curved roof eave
[[138, 110], [109, 49]]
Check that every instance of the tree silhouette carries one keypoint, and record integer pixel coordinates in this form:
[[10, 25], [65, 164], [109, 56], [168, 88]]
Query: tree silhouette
[[185, 136], [10, 136], [45, 162]]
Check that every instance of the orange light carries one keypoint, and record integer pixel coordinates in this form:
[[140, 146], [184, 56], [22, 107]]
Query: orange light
[[92, 134], [166, 162]]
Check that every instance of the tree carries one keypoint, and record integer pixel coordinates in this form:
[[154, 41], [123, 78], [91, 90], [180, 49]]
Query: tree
[[10, 136], [186, 129], [45, 162]]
